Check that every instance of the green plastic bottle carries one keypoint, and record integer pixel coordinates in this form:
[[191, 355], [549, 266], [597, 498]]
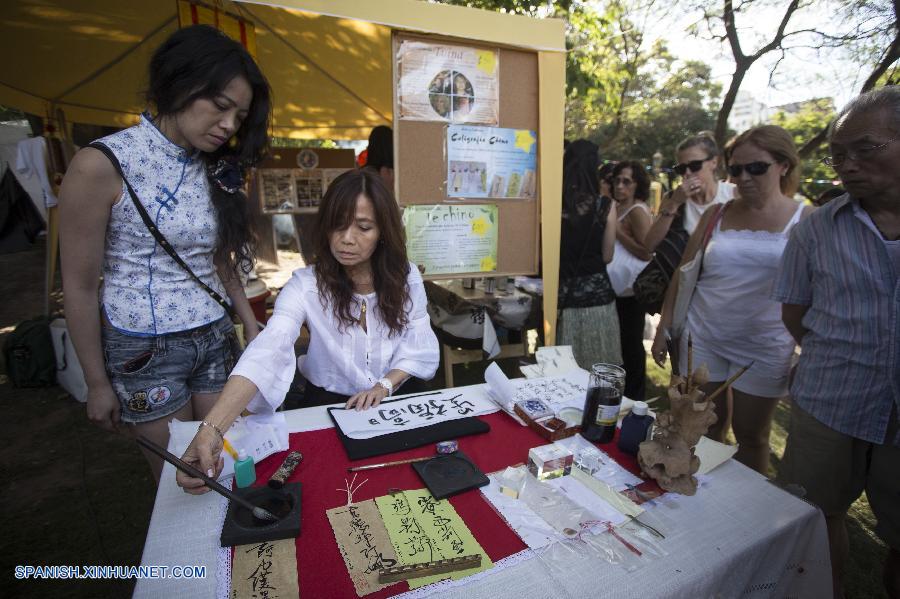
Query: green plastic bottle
[[244, 470]]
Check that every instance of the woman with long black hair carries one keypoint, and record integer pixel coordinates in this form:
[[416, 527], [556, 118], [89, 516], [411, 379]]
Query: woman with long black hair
[[157, 210], [364, 305], [587, 309]]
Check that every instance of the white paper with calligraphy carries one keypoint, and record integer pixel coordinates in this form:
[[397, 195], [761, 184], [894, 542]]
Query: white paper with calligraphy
[[558, 392], [364, 543], [424, 529], [267, 569], [414, 412]]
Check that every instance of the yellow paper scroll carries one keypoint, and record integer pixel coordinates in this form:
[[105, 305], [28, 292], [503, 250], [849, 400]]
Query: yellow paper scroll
[[424, 529]]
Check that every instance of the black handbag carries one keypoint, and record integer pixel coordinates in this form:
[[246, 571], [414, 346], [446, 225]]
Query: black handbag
[[157, 235], [652, 282]]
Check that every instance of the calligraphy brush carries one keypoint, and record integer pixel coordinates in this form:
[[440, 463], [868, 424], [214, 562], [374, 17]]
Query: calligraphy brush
[[690, 364], [258, 512], [734, 377], [673, 353], [385, 464]]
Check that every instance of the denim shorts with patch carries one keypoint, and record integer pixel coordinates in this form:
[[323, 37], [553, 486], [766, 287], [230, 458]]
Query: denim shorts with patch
[[154, 377]]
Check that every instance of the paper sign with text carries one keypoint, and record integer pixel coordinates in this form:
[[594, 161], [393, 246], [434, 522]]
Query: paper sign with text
[[267, 569], [413, 412], [424, 529], [364, 543]]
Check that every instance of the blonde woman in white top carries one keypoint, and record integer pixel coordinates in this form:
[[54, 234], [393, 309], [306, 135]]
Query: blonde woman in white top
[[364, 305], [731, 318], [698, 161]]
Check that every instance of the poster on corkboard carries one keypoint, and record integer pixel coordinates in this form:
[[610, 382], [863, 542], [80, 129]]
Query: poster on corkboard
[[439, 82], [445, 239], [276, 190], [491, 162]]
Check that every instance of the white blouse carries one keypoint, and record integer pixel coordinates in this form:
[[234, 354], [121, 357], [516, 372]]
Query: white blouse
[[344, 362]]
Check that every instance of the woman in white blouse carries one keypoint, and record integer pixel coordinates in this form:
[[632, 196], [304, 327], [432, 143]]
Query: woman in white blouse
[[364, 305]]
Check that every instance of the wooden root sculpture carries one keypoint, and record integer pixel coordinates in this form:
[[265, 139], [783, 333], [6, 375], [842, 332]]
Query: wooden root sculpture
[[668, 457]]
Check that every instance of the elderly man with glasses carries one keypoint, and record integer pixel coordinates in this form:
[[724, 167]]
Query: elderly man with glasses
[[839, 284]]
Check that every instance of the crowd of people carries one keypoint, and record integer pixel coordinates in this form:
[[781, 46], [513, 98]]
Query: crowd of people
[[775, 274], [158, 210]]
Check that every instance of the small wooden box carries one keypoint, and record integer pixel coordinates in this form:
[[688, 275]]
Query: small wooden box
[[548, 433]]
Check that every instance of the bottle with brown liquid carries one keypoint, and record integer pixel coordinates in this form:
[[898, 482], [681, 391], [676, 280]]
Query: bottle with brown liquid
[[601, 406]]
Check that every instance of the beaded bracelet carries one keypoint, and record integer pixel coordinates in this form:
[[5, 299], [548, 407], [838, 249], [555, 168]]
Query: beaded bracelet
[[214, 427]]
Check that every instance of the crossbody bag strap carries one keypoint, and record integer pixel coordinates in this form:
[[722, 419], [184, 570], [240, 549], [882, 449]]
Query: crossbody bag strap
[[157, 234], [711, 225]]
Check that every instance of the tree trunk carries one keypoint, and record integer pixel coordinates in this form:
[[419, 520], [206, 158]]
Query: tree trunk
[[728, 101]]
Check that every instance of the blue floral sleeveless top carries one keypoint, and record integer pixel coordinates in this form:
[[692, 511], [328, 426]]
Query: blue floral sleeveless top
[[144, 291]]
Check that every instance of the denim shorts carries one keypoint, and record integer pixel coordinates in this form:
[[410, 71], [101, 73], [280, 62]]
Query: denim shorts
[[154, 377]]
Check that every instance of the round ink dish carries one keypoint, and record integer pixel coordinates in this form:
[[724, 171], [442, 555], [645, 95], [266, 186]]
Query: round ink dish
[[278, 504], [449, 474]]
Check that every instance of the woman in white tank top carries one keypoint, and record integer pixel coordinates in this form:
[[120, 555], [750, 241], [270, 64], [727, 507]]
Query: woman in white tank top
[[731, 318], [631, 186]]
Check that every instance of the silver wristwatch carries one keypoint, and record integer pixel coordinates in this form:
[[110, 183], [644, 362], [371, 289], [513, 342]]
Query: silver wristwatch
[[387, 384]]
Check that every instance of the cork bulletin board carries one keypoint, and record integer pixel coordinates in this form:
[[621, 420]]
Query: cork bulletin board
[[420, 150]]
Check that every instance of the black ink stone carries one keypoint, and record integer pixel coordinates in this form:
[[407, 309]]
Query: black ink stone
[[242, 528], [450, 474]]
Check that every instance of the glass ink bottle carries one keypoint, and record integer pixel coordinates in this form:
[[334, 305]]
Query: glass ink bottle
[[601, 405]]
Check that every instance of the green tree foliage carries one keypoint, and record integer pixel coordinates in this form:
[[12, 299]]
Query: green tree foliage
[[628, 95], [812, 117], [668, 105]]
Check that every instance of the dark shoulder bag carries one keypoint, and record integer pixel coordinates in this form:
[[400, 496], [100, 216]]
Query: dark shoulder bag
[[157, 234], [651, 283]]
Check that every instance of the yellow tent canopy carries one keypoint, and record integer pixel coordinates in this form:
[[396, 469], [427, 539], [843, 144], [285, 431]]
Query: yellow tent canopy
[[331, 75], [328, 61]]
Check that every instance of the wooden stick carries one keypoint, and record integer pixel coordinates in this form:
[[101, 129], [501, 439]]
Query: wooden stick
[[386, 464], [690, 365], [728, 383], [397, 573]]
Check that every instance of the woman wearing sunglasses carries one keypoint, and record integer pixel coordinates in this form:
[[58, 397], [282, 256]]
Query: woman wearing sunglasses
[[698, 159], [731, 318]]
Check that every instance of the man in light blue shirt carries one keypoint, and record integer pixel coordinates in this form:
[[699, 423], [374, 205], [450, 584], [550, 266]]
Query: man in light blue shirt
[[839, 284]]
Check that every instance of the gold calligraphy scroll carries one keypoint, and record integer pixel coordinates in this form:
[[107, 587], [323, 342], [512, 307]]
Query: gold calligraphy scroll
[[266, 569], [238, 29], [424, 529], [364, 544]]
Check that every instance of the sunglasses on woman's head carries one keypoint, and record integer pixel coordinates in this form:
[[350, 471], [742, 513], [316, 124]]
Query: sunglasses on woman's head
[[752, 168], [693, 166]]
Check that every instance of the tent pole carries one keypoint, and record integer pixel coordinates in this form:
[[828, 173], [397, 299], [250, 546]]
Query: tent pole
[[57, 162]]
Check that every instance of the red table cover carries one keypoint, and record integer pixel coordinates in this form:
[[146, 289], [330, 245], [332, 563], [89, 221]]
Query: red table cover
[[324, 475]]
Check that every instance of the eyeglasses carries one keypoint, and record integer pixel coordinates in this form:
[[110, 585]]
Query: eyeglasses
[[752, 168], [623, 181], [693, 166], [863, 153]]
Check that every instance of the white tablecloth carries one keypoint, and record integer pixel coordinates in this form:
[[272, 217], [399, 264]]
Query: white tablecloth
[[740, 536]]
